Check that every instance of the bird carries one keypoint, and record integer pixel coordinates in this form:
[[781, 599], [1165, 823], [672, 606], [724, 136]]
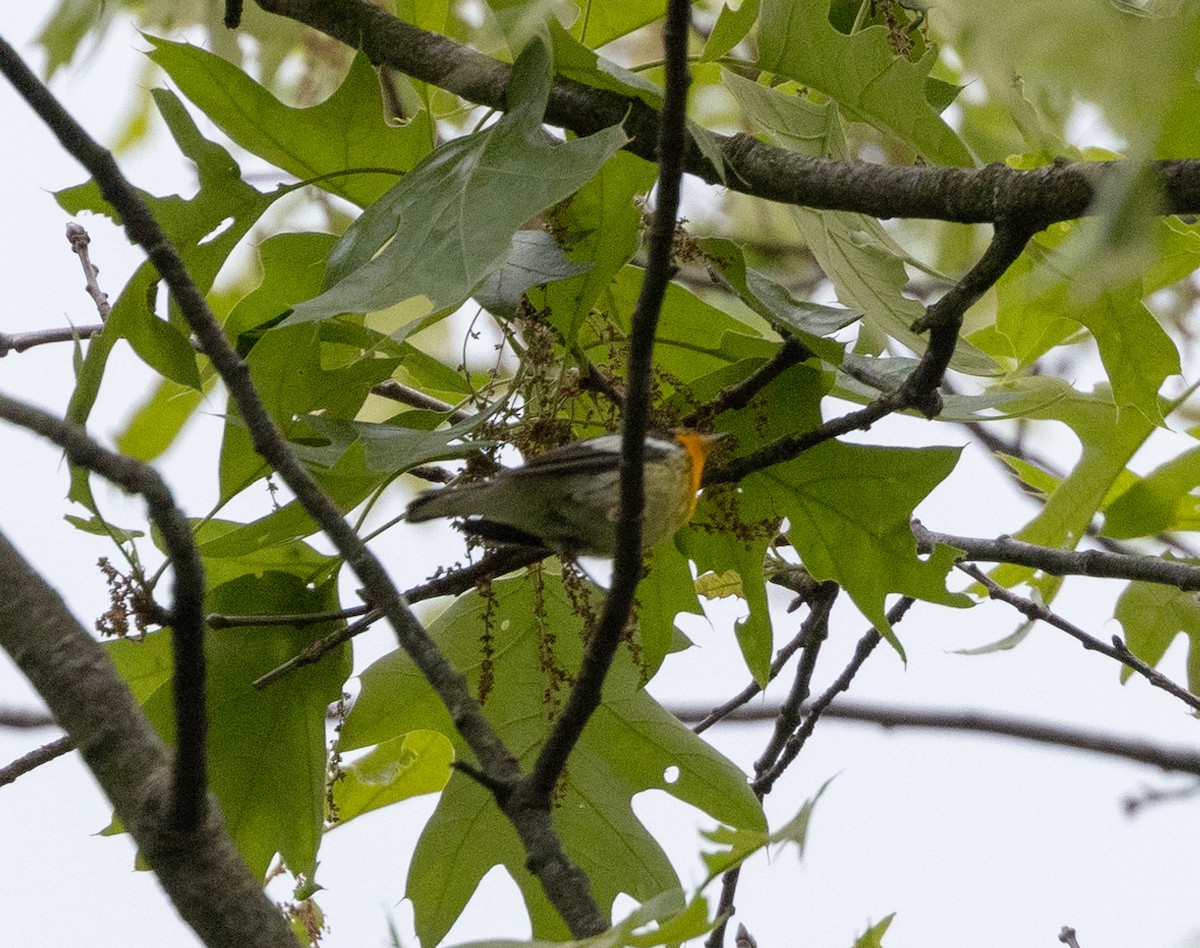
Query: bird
[[566, 499]]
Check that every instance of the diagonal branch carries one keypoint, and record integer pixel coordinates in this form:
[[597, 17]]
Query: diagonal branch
[[564, 883], [35, 758], [1118, 650], [943, 320], [627, 567], [190, 785]]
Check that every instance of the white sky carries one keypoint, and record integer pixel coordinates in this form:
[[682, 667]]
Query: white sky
[[969, 840]]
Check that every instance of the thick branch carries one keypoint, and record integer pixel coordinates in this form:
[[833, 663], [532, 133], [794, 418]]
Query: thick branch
[[1057, 192], [1098, 563], [190, 786], [200, 869]]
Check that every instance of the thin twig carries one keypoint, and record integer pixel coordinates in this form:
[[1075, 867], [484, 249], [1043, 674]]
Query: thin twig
[[20, 341], [1117, 651], [190, 791], [862, 651], [450, 584], [1174, 759], [791, 352], [1097, 563], [315, 651], [79, 240], [25, 718], [43, 755], [627, 565], [813, 634], [217, 620], [748, 693], [1067, 937], [397, 391], [816, 630], [1152, 796]]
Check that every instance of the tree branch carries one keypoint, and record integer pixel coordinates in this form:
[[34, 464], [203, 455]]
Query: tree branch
[[1097, 563], [1060, 191], [20, 341], [79, 240], [627, 566], [782, 657], [406, 395], [34, 759], [200, 869], [190, 785], [451, 584], [1177, 759], [1118, 651], [813, 633], [25, 718]]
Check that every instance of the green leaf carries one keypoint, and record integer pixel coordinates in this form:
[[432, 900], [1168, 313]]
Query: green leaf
[[731, 28], [606, 20], [664, 922], [1163, 500], [580, 62], [159, 419], [345, 132], [406, 441], [738, 845], [1109, 441], [515, 646], [67, 27], [864, 263], [204, 230], [534, 259], [288, 368], [850, 508], [810, 322], [873, 936], [716, 548], [404, 767], [456, 213], [861, 72], [101, 528], [693, 338], [1046, 296], [1146, 87], [601, 225], [1038, 481], [666, 590], [1152, 615]]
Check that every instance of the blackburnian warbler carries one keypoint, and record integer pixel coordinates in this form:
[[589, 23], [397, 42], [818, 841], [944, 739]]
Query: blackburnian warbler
[[566, 499]]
